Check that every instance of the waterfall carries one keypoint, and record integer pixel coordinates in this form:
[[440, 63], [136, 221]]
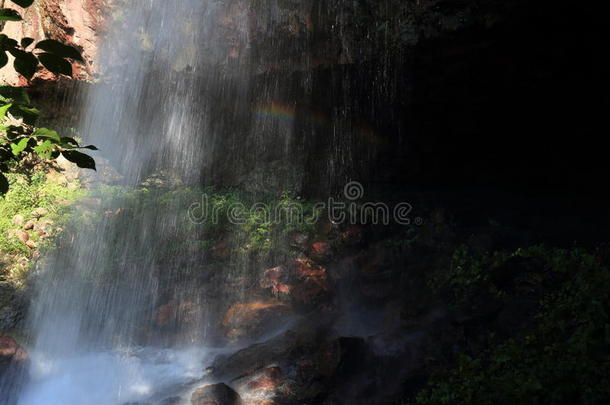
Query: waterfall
[[96, 295]]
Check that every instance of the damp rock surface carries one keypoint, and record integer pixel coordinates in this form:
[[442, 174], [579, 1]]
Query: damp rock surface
[[216, 394]]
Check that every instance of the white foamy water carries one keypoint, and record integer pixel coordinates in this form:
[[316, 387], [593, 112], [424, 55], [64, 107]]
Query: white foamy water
[[114, 378]]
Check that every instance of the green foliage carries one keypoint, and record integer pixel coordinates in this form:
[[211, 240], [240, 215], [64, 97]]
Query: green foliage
[[27, 195], [7, 14], [20, 140], [252, 224], [23, 3], [467, 274], [563, 359]]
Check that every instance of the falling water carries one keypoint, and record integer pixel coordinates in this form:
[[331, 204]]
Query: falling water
[[96, 296]]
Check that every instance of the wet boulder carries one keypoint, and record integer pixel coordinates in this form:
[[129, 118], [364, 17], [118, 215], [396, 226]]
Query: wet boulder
[[251, 320], [277, 281], [294, 367], [11, 354], [302, 282], [312, 283], [13, 369], [216, 394], [321, 252], [261, 386]]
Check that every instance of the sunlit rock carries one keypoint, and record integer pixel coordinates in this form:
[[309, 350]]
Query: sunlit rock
[[253, 319]]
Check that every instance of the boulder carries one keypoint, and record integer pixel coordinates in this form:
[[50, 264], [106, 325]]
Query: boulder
[[11, 354], [40, 212], [294, 367], [216, 394], [261, 386], [18, 220], [277, 280], [312, 284], [13, 369], [251, 320], [321, 252], [22, 235], [303, 282]]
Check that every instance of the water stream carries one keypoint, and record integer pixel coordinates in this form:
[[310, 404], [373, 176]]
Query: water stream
[[94, 297]]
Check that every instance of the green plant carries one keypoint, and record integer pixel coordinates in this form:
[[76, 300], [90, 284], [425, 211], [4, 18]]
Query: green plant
[[563, 359], [467, 273], [21, 142], [29, 195]]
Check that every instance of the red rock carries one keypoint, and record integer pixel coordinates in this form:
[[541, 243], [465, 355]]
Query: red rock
[[312, 282], [277, 280], [307, 270], [74, 22], [29, 225], [321, 252], [22, 236], [304, 282], [253, 319], [11, 354]]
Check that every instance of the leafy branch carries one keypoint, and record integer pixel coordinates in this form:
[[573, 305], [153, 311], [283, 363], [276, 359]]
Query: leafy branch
[[19, 136]]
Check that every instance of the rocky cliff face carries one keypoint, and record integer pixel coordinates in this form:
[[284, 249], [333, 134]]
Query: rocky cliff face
[[75, 22], [382, 92]]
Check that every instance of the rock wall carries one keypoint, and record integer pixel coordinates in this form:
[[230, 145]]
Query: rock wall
[[403, 94], [75, 22], [393, 94]]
